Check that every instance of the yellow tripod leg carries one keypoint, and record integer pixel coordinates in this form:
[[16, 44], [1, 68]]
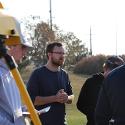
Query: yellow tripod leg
[[25, 96]]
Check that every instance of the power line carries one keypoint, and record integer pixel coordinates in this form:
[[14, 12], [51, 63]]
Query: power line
[[116, 42]]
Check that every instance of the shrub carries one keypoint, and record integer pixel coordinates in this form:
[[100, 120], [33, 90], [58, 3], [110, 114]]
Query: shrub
[[90, 65]]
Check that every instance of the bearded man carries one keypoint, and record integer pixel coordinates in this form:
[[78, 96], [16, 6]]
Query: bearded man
[[49, 85]]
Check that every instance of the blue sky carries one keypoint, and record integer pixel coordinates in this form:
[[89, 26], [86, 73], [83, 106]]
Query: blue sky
[[106, 18]]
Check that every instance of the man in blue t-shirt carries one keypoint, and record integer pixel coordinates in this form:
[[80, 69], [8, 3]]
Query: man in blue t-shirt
[[49, 85]]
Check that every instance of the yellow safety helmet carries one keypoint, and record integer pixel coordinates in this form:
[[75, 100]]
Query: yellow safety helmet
[[10, 28]]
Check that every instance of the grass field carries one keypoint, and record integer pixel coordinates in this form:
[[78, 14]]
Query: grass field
[[74, 117]]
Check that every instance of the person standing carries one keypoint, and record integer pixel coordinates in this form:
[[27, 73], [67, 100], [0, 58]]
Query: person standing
[[90, 90], [110, 106], [10, 100], [49, 85]]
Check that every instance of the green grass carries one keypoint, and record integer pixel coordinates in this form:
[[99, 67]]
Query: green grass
[[74, 117]]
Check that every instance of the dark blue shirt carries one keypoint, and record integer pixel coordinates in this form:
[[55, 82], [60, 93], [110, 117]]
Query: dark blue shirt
[[44, 82], [111, 102]]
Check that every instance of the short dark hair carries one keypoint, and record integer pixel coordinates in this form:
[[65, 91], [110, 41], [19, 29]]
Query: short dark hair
[[51, 46], [113, 62]]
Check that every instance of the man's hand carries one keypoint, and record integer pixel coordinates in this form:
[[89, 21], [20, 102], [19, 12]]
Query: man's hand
[[61, 96]]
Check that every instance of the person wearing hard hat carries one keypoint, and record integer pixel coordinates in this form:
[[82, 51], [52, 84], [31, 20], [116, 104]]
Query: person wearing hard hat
[[10, 100]]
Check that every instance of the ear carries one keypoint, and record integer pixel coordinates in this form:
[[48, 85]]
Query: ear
[[10, 47], [49, 55]]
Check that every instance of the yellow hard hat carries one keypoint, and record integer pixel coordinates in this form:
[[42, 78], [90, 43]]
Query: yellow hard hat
[[10, 28]]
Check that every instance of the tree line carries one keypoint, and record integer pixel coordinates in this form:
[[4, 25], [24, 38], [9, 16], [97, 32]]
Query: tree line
[[40, 34], [77, 55]]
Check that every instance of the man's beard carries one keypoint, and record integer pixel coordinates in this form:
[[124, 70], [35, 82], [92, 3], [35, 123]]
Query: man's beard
[[58, 62]]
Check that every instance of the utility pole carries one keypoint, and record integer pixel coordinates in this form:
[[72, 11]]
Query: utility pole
[[90, 53], [116, 43], [50, 11]]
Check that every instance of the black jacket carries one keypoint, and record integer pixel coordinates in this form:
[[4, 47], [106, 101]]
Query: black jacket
[[88, 97], [111, 102]]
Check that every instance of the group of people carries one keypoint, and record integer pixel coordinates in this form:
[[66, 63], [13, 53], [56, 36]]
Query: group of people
[[101, 98], [48, 85]]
